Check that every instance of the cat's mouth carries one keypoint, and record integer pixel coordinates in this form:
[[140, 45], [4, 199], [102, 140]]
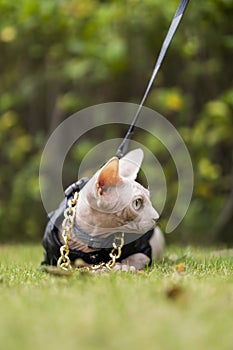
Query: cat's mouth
[[154, 223]]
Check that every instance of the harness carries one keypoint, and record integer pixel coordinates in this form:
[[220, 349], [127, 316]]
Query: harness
[[133, 243]]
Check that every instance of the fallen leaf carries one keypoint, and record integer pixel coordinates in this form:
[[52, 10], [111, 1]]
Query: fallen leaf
[[174, 291], [181, 268]]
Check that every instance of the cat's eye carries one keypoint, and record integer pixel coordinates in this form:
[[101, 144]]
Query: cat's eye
[[137, 203]]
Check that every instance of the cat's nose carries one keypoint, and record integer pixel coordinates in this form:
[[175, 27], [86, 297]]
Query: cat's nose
[[155, 215]]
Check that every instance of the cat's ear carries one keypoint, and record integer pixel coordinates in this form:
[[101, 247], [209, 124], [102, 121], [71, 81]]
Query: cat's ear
[[108, 176], [131, 163]]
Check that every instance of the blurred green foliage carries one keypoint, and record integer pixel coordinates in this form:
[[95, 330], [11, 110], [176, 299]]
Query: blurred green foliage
[[58, 57]]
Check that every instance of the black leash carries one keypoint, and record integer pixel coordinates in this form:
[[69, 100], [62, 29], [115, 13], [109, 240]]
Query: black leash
[[175, 22]]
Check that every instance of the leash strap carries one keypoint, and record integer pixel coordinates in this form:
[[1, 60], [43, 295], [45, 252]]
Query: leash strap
[[172, 29]]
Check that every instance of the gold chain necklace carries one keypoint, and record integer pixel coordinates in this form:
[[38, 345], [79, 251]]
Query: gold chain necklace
[[64, 263]]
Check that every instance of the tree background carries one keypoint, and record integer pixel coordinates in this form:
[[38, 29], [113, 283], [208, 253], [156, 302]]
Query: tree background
[[60, 56]]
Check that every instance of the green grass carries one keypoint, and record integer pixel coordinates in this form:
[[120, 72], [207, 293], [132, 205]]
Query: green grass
[[160, 309]]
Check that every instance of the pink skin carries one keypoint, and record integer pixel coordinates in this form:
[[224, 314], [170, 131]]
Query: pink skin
[[107, 204]]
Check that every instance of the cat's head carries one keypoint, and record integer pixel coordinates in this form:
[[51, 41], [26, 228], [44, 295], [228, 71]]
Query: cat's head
[[114, 201]]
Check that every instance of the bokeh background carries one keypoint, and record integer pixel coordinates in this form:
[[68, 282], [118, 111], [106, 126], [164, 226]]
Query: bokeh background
[[60, 56]]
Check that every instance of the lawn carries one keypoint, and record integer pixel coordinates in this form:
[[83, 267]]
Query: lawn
[[185, 301]]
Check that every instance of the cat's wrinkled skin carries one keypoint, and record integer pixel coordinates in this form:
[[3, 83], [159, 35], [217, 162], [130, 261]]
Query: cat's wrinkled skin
[[113, 201]]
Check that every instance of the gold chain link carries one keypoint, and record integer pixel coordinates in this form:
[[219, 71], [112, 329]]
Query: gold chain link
[[67, 225], [64, 262], [114, 254], [116, 251]]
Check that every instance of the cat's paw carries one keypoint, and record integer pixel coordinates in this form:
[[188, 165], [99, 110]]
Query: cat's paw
[[138, 260], [124, 268]]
